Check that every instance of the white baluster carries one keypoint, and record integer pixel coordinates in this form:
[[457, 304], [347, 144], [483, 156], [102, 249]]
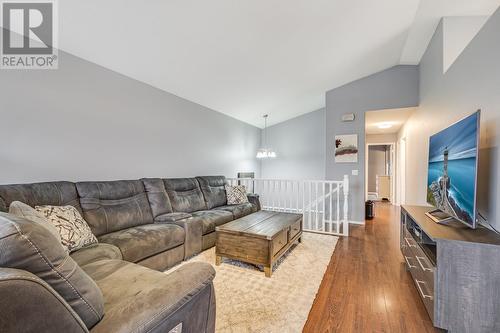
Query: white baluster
[[274, 194], [316, 203], [298, 193], [303, 202], [330, 215], [266, 191], [290, 197], [289, 191], [323, 205], [338, 208], [346, 205], [309, 221]]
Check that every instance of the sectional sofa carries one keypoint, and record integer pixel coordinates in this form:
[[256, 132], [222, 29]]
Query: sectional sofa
[[143, 226]]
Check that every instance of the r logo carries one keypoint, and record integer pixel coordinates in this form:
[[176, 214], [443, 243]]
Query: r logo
[[28, 28], [29, 34]]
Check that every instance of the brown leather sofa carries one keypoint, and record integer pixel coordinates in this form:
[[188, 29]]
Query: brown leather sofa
[[143, 226]]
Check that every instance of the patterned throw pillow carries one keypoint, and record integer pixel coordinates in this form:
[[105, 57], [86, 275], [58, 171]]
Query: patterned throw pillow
[[236, 194], [74, 231]]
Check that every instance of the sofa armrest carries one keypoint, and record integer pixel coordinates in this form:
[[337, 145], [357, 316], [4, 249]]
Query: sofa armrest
[[143, 300], [198, 278], [193, 228], [254, 200], [29, 304]]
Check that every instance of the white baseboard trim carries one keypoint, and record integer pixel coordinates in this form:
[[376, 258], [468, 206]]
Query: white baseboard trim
[[357, 222]]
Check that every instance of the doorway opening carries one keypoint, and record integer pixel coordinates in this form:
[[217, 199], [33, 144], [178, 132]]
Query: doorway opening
[[380, 175], [385, 160]]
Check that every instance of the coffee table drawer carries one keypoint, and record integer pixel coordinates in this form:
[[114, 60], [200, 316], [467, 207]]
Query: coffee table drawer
[[280, 241], [295, 229], [249, 249]]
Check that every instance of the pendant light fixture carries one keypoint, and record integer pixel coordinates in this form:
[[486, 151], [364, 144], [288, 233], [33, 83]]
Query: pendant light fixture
[[265, 152]]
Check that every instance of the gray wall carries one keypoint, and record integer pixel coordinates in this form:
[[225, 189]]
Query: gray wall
[[84, 122], [300, 145], [471, 83], [396, 87]]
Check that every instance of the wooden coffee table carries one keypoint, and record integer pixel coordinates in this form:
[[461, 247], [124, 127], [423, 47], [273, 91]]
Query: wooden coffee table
[[260, 238]]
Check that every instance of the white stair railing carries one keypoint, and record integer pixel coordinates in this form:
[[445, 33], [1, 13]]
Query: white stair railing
[[323, 203]]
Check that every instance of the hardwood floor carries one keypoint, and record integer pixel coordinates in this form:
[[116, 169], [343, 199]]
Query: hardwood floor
[[366, 287]]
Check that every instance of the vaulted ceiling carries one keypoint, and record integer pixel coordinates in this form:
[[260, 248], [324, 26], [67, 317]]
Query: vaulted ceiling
[[246, 58]]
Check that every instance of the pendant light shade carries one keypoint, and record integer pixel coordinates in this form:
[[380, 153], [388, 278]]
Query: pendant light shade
[[265, 152]]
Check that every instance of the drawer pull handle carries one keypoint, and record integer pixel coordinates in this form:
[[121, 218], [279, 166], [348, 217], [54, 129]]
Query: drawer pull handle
[[408, 263], [421, 265], [421, 291], [408, 242]]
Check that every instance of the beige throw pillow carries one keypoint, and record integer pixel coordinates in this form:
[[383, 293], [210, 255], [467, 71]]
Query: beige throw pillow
[[74, 231], [236, 194], [21, 209]]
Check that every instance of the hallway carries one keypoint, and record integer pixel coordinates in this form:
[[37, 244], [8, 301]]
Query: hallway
[[366, 287]]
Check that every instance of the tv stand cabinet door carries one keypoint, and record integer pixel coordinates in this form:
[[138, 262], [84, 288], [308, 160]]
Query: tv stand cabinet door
[[468, 287]]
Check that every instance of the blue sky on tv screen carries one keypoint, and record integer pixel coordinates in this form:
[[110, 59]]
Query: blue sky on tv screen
[[460, 138]]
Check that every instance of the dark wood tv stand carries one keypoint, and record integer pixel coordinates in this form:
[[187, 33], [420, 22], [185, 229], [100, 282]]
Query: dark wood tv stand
[[456, 271]]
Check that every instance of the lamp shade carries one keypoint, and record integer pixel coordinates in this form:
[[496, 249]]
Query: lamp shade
[[265, 152]]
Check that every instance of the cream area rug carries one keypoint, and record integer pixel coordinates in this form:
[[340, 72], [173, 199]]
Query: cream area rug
[[247, 301]]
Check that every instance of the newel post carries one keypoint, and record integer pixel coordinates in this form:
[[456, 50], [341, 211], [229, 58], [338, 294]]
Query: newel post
[[345, 190]]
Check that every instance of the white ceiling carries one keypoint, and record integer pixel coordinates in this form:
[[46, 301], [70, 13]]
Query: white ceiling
[[395, 117], [246, 58], [427, 18]]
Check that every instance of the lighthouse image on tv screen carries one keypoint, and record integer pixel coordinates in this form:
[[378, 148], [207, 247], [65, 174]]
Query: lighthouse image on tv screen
[[451, 183]]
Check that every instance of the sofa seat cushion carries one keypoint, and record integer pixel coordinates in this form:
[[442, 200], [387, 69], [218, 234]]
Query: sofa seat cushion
[[172, 217], [238, 210], [96, 252], [138, 243], [212, 218], [139, 299]]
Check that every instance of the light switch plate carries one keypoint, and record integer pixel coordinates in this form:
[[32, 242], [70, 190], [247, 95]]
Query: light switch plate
[[354, 172]]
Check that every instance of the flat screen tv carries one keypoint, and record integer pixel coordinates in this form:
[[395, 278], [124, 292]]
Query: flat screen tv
[[452, 172]]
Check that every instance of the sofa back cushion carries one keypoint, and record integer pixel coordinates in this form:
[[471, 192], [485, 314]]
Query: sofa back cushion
[[40, 194], [213, 190], [157, 196], [185, 194], [29, 246], [114, 205]]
